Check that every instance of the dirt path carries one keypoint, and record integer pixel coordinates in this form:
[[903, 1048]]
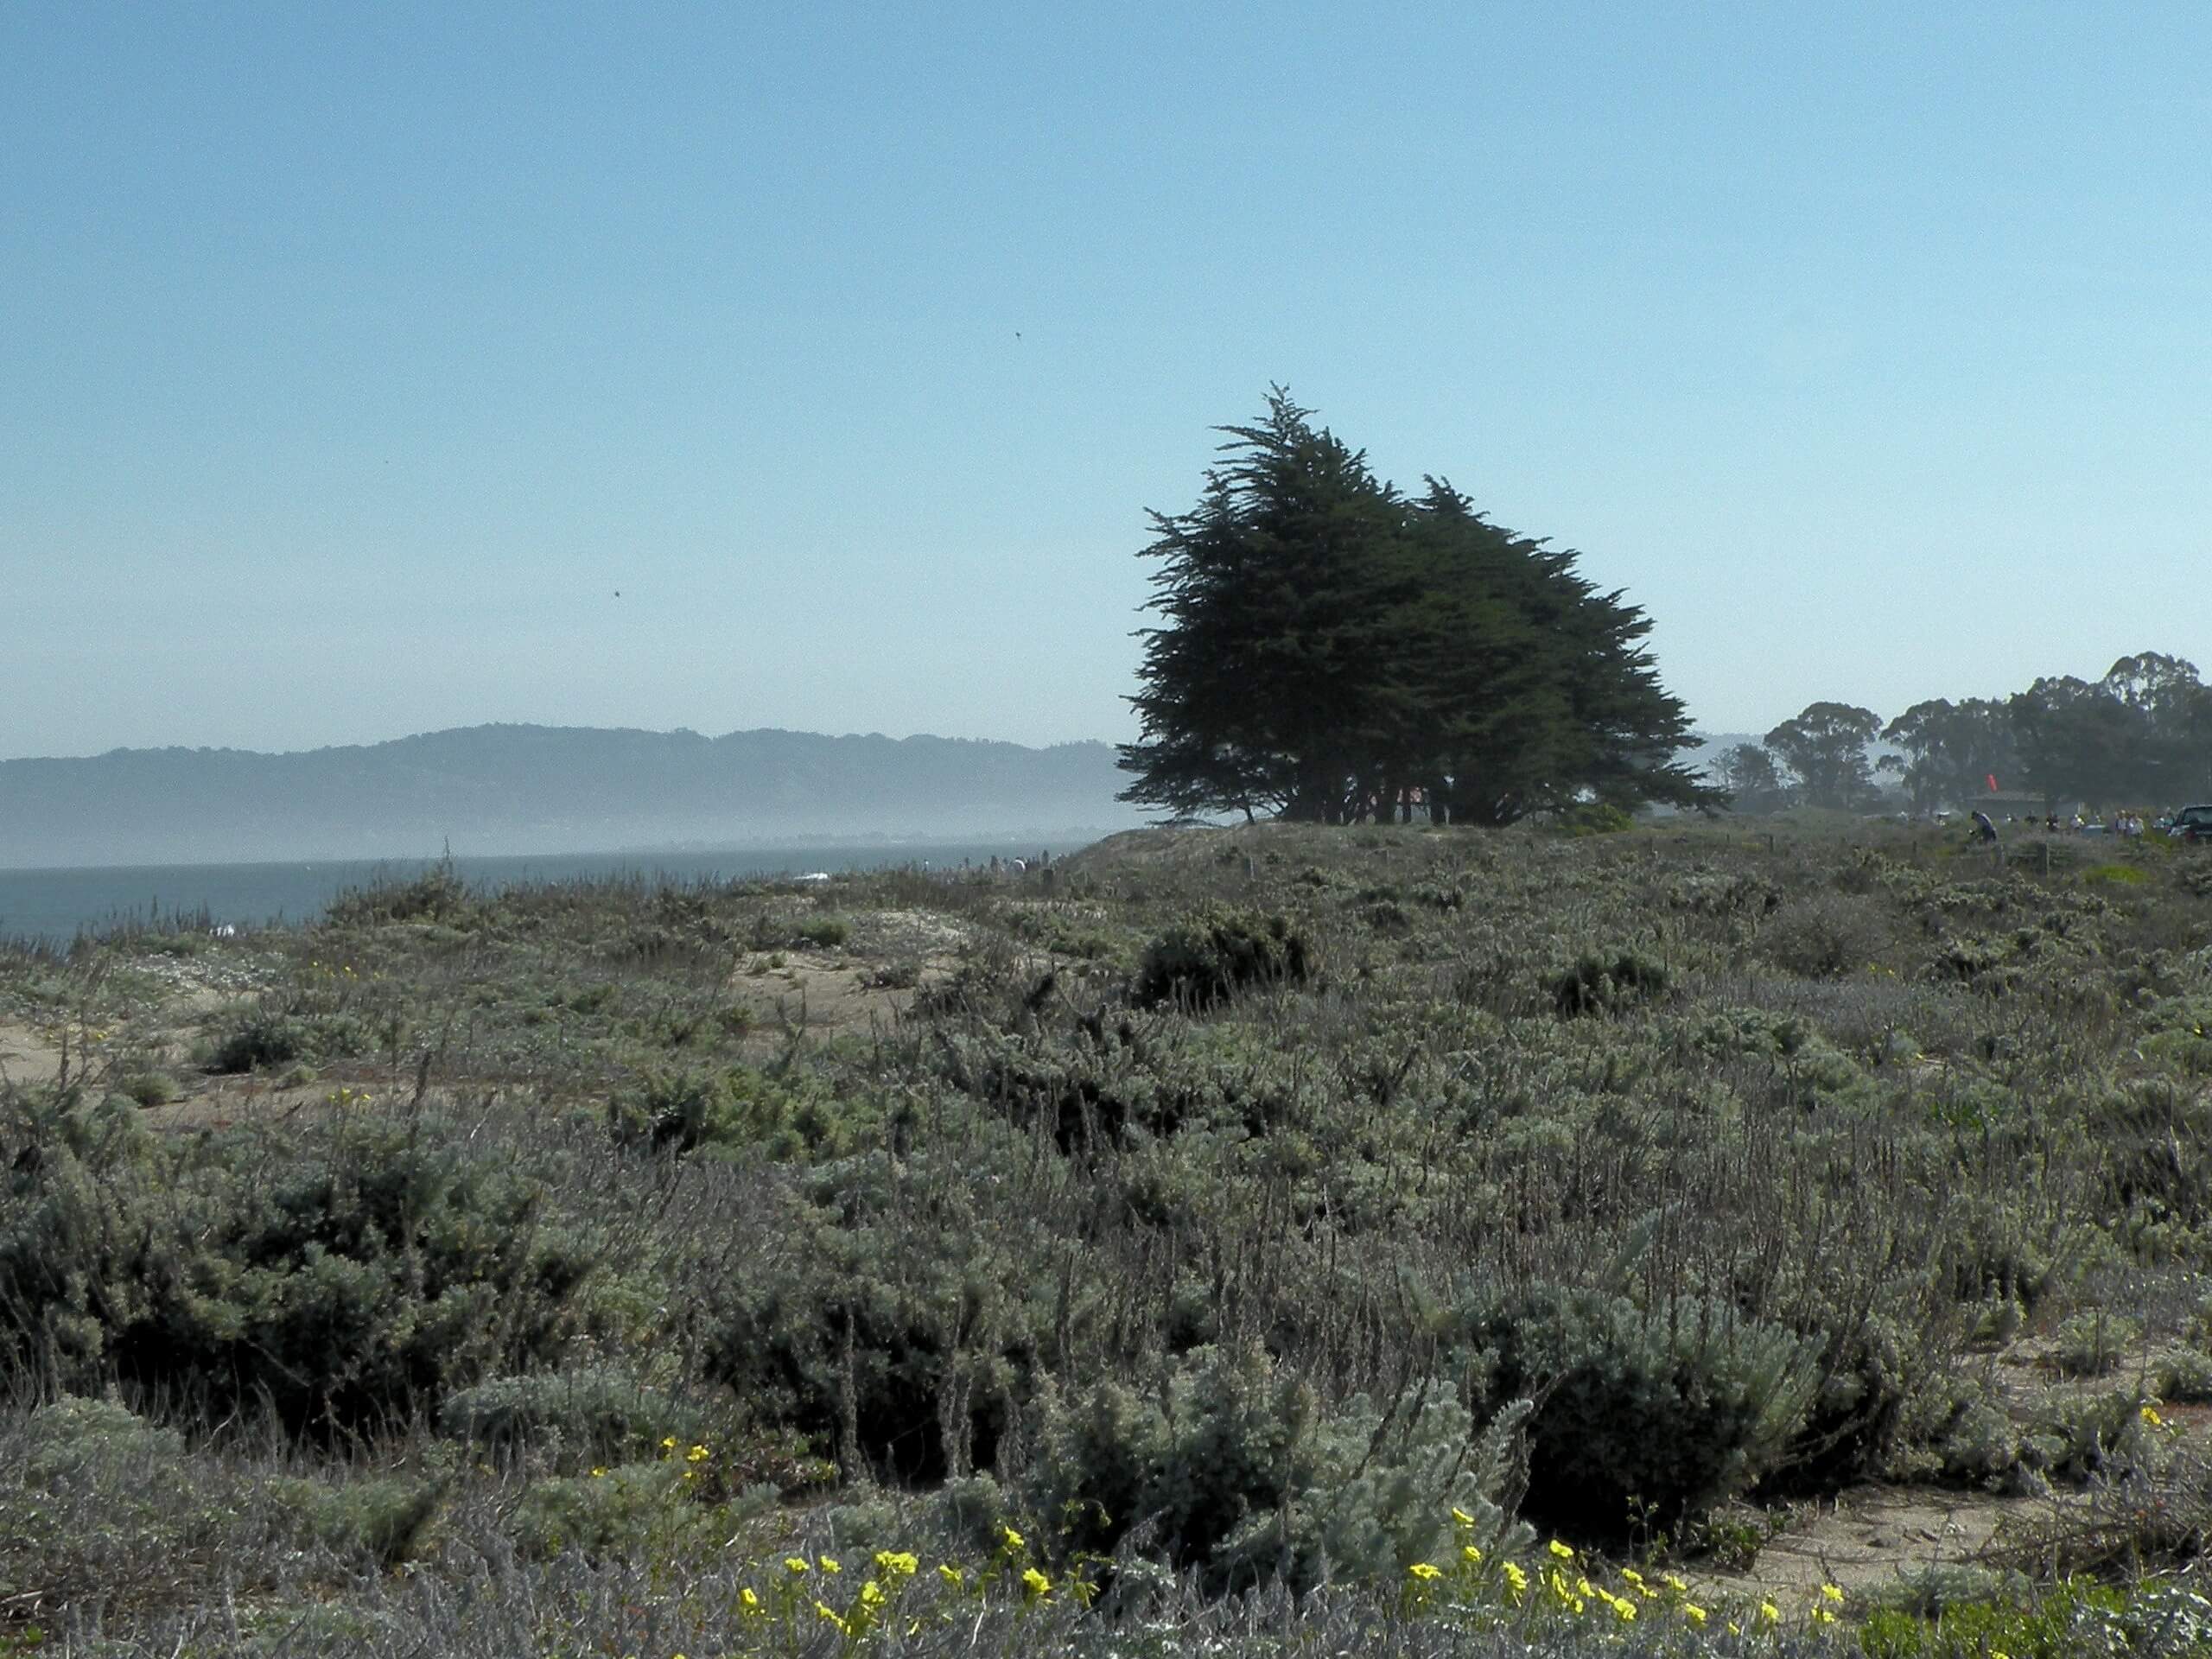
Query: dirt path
[[1867, 1537], [26, 1056]]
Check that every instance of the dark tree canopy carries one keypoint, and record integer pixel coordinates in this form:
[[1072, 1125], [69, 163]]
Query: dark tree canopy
[[1951, 750], [1328, 647], [2143, 733], [1826, 746], [1752, 778]]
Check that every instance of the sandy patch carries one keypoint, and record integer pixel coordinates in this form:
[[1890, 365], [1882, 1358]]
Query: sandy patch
[[821, 993], [867, 983], [1868, 1536], [26, 1054]]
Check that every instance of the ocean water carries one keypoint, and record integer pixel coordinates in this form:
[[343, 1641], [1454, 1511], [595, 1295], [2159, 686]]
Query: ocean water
[[53, 906]]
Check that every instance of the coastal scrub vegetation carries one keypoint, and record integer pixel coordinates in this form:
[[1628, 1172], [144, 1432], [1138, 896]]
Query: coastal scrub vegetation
[[1401, 1237]]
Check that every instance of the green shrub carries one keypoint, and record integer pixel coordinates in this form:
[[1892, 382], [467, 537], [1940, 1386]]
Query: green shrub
[[1675, 1409], [265, 1039], [2118, 875], [438, 895], [1209, 957], [673, 1109], [732, 1106], [1826, 935], [103, 1507], [2184, 1375], [259, 1040], [2079, 1436], [1980, 1445], [2067, 1621], [909, 1341], [2091, 1344], [827, 932], [385, 1519], [1593, 818], [636, 1511], [1711, 892], [149, 1089], [591, 1414], [1598, 984], [99, 1502], [1239, 1475], [77, 1439], [347, 1281]]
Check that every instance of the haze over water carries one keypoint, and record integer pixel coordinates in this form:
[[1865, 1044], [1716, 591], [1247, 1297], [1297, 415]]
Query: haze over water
[[54, 906]]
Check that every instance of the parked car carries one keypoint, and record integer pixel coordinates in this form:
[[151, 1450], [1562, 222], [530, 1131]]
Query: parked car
[[2193, 823]]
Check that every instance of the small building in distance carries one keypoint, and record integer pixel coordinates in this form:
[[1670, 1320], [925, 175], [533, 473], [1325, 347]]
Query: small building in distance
[[2003, 803]]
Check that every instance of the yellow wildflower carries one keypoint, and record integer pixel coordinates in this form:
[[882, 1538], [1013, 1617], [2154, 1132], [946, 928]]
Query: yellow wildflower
[[795, 1565], [2152, 1417], [669, 1444], [599, 1472], [697, 1454], [897, 1564], [1768, 1613], [1470, 1554], [1461, 1518], [1562, 1550], [748, 1601], [871, 1594], [1014, 1540], [1692, 1612], [1832, 1592], [1516, 1582], [1822, 1615], [830, 1616], [951, 1575], [829, 1564], [1039, 1586], [1425, 1572]]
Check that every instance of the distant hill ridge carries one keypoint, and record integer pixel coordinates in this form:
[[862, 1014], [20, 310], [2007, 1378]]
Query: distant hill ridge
[[519, 788]]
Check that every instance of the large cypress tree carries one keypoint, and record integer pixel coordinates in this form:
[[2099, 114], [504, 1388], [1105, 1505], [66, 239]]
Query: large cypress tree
[[1261, 692], [1327, 644]]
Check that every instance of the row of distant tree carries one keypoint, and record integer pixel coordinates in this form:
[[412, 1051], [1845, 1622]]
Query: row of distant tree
[[2141, 736]]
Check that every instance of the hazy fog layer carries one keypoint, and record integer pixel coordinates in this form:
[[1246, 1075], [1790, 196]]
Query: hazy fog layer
[[514, 789]]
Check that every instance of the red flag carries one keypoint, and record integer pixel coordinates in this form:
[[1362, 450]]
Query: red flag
[[1992, 783]]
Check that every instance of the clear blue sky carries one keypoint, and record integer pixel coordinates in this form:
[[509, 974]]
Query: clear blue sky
[[352, 357]]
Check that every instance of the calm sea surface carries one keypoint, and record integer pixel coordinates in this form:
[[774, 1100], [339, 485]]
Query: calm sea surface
[[56, 904]]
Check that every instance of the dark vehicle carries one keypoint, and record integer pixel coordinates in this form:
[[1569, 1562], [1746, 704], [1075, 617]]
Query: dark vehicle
[[2193, 823]]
